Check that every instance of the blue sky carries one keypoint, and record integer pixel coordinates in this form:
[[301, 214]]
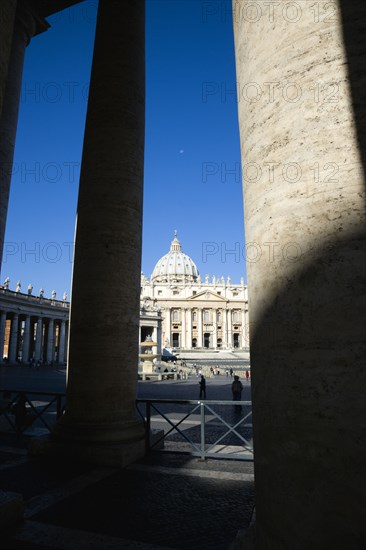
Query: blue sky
[[192, 151]]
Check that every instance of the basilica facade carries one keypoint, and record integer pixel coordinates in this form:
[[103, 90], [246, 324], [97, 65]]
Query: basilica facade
[[195, 313]]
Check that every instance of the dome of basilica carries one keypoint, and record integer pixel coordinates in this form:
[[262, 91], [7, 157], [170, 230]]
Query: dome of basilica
[[175, 266]]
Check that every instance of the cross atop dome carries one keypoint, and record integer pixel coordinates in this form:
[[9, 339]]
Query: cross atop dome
[[175, 245]]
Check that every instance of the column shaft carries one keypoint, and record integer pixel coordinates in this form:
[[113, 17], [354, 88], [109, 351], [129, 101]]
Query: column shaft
[[38, 345], [50, 351], [2, 334], [26, 340], [13, 348], [25, 26], [306, 295], [200, 328], [183, 325], [61, 344], [101, 423], [189, 329]]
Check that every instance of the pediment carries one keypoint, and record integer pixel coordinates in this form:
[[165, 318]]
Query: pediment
[[207, 295]]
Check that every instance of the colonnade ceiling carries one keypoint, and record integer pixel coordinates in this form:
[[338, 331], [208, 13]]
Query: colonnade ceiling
[[49, 7]]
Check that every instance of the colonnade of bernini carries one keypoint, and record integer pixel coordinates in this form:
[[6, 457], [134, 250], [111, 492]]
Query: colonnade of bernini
[[32, 327], [307, 321]]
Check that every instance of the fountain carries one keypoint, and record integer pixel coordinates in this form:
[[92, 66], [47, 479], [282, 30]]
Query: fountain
[[147, 356]]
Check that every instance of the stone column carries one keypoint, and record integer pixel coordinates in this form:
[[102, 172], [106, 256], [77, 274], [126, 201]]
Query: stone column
[[214, 324], [7, 16], [200, 328], [101, 424], [158, 338], [229, 329], [13, 346], [224, 328], [38, 344], [302, 143], [183, 341], [189, 328], [50, 349], [2, 334], [61, 343], [26, 25], [26, 339]]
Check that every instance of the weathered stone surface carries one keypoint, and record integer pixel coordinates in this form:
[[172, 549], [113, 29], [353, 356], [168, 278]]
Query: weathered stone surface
[[301, 125]]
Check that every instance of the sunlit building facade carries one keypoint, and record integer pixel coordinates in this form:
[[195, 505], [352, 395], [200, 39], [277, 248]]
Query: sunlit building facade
[[196, 313]]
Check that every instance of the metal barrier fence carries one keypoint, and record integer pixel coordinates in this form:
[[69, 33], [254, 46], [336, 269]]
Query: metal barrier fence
[[207, 428], [29, 412]]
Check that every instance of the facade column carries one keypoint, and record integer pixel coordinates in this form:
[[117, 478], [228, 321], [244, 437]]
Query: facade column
[[200, 328], [13, 347], [229, 329], [50, 349], [307, 314], [183, 325], [101, 424], [61, 343], [214, 323], [168, 333], [2, 334], [26, 339], [224, 328], [158, 338], [38, 344], [26, 25], [189, 328]]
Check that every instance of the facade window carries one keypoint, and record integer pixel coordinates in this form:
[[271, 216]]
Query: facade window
[[206, 315], [194, 292], [175, 315], [175, 292], [159, 292], [194, 316], [219, 292], [235, 316], [219, 316]]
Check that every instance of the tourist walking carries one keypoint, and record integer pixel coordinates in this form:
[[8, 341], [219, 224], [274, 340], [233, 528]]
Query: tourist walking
[[202, 384]]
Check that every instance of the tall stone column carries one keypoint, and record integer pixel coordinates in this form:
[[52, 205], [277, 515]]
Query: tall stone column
[[183, 341], [2, 334], [26, 339], [61, 343], [214, 323], [224, 328], [13, 346], [158, 338], [301, 82], [101, 424], [229, 328], [26, 25], [189, 328], [50, 350], [200, 328], [38, 344], [7, 16]]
